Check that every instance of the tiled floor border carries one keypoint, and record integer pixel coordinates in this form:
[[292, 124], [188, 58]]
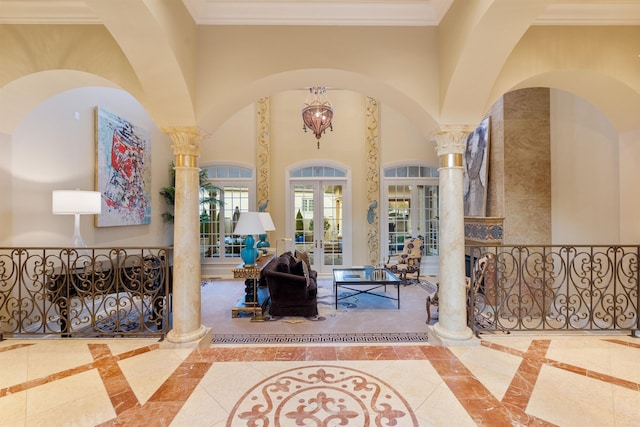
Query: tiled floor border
[[419, 337]]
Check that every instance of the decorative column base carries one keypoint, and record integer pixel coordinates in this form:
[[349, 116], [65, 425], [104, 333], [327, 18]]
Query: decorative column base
[[440, 336], [200, 338]]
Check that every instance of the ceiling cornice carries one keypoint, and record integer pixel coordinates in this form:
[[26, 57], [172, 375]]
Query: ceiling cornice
[[46, 12], [352, 13], [591, 13], [313, 12]]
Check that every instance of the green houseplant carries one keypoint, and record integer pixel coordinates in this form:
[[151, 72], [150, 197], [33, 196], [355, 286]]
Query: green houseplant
[[206, 189]]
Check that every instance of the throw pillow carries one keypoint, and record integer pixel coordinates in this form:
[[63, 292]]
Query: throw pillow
[[304, 257], [297, 268], [282, 265]]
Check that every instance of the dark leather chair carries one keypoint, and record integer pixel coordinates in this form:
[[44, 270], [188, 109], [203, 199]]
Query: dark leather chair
[[292, 292]]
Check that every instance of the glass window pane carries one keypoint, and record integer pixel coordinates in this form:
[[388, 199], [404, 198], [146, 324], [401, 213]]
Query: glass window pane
[[217, 221]]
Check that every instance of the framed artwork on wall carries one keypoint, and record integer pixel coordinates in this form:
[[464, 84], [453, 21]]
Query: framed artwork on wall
[[123, 171], [476, 170]]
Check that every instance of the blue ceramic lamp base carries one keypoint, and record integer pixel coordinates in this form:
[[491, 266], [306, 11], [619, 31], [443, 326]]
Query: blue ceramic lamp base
[[249, 254]]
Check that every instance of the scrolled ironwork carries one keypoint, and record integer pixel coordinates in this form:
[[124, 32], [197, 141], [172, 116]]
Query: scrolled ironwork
[[85, 292], [556, 288]]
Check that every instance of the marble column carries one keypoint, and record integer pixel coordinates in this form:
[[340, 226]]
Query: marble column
[[186, 329], [451, 328]]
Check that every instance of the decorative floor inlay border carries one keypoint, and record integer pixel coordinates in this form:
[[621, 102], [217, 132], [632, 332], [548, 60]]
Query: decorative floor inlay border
[[319, 338]]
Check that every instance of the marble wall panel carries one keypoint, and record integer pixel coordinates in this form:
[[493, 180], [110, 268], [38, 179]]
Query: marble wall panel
[[519, 186]]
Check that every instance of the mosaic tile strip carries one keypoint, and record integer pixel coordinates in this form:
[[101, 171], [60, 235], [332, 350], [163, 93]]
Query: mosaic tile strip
[[484, 232], [319, 338]]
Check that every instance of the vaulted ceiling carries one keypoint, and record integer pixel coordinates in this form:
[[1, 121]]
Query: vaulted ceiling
[[156, 55]]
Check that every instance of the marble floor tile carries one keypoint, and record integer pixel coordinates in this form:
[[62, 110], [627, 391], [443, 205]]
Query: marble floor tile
[[506, 381]]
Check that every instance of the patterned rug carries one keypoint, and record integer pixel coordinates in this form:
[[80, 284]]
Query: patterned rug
[[362, 318]]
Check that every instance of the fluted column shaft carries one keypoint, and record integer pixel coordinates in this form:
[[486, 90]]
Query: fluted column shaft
[[452, 318], [186, 250]]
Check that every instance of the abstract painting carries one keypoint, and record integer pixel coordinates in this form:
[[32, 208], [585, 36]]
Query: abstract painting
[[123, 171], [476, 170]]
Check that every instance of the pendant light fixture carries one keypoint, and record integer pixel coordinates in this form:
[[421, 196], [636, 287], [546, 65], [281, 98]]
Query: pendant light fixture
[[317, 112]]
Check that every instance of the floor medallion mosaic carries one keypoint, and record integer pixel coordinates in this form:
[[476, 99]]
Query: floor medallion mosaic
[[322, 396]]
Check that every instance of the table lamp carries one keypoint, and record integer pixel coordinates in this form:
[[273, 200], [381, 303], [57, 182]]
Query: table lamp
[[267, 223], [76, 202], [249, 224]]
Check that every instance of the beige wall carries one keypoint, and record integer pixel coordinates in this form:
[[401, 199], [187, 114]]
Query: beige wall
[[629, 158], [237, 65], [51, 150], [54, 151], [6, 215], [577, 188], [400, 142], [585, 173]]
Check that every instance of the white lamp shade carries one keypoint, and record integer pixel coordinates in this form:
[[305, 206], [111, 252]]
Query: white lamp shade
[[249, 223], [267, 222], [69, 202]]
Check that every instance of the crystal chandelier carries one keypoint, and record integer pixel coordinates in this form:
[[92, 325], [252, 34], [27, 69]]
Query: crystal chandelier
[[317, 112]]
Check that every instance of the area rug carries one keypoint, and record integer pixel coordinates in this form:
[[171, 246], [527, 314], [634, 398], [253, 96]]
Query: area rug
[[357, 319]]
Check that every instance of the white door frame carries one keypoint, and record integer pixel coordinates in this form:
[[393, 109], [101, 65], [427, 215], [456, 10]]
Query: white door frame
[[430, 262], [345, 181]]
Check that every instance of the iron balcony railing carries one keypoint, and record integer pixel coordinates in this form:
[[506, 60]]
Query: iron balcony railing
[[80, 292], [554, 288]]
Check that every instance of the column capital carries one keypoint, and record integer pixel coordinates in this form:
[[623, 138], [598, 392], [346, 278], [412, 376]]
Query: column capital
[[186, 144], [450, 139]]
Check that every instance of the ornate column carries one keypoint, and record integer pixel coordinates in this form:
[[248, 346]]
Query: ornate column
[[187, 328], [451, 328], [373, 180]]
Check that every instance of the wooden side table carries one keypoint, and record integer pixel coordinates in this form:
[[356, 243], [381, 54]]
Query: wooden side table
[[255, 300]]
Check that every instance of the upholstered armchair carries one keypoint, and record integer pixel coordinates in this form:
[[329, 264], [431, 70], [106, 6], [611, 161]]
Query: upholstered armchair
[[407, 262]]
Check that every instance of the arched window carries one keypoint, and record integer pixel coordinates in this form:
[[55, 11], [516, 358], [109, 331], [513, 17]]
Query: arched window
[[233, 192]]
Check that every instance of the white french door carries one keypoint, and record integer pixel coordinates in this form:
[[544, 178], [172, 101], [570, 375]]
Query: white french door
[[318, 219], [411, 203]]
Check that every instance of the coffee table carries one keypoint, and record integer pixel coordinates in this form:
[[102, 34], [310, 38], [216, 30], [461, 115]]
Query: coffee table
[[365, 281]]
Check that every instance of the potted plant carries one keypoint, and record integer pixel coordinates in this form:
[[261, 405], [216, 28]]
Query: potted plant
[[206, 189]]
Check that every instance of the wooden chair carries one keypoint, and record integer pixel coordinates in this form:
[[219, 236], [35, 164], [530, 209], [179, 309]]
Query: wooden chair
[[478, 279]]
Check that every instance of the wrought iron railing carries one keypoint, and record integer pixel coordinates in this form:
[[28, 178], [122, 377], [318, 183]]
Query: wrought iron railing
[[85, 292], [554, 288]]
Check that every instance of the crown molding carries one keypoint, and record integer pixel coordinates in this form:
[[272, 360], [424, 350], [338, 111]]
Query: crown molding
[[352, 13], [591, 13], [46, 12], [313, 12]]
